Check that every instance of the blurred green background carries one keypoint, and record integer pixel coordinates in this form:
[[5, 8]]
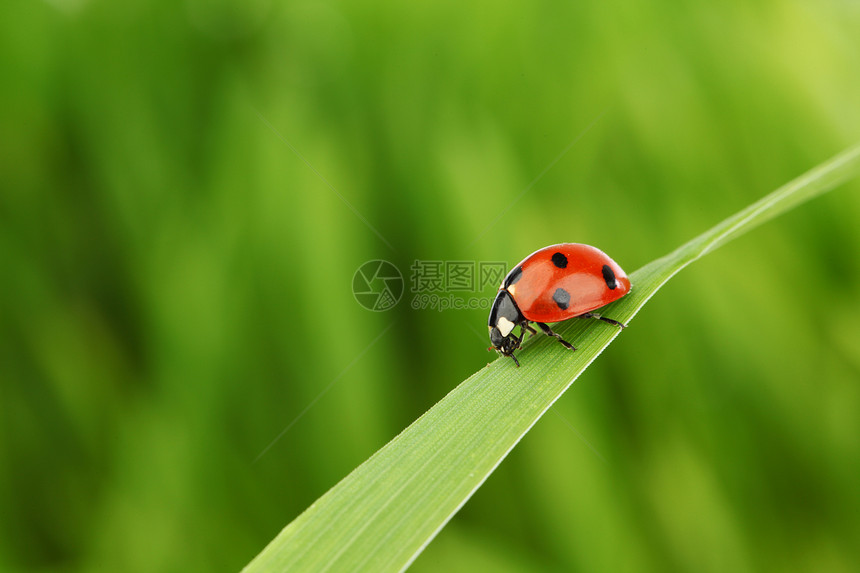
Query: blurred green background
[[176, 280]]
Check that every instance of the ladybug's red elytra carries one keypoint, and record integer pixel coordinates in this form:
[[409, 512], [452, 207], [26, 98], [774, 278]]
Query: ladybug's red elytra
[[550, 285]]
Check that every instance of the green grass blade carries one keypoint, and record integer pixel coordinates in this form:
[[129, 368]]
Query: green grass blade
[[386, 511]]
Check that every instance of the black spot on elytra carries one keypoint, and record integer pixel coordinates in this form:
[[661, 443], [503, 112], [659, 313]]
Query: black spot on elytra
[[609, 277], [559, 260], [513, 276], [561, 298]]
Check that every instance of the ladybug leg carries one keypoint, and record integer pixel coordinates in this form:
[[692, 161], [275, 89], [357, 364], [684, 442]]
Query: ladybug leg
[[603, 318], [524, 326], [548, 331], [527, 326]]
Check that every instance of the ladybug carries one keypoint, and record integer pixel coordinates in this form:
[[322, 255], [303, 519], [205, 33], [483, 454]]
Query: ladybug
[[550, 285]]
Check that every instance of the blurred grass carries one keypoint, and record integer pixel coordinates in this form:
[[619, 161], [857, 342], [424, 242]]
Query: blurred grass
[[175, 282]]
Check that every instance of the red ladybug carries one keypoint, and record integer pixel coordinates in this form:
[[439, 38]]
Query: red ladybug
[[550, 285]]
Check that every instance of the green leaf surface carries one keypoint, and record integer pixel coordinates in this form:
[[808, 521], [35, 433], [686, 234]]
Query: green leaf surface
[[381, 516]]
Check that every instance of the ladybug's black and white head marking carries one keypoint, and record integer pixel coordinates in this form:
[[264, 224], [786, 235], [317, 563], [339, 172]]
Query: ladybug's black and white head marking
[[504, 317]]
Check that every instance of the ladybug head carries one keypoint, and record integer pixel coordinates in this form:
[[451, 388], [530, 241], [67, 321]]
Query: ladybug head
[[504, 316]]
